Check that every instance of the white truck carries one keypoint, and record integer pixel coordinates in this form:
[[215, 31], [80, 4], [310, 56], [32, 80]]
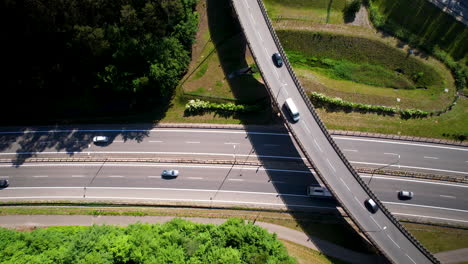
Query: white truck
[[318, 192]]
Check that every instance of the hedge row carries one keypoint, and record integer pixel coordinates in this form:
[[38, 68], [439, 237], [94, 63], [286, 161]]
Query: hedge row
[[197, 106], [320, 100]]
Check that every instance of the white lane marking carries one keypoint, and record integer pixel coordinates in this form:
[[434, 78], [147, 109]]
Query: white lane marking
[[4, 177], [266, 51], [143, 130], [428, 206], [426, 157], [277, 76], [395, 154], [192, 142], [375, 222], [195, 178], [259, 36], [315, 141], [231, 143], [40, 176], [306, 128], [155, 141], [115, 176], [408, 167], [433, 217], [448, 196], [350, 150], [329, 163], [151, 152], [411, 259], [155, 177], [418, 181], [271, 145], [400, 143], [393, 241], [247, 4], [153, 165], [235, 180], [346, 185], [359, 202], [78, 176], [118, 141]]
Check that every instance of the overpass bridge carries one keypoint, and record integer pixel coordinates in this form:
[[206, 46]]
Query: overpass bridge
[[381, 228]]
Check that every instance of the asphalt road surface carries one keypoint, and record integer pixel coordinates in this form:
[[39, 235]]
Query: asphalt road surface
[[238, 185], [378, 226], [229, 144]]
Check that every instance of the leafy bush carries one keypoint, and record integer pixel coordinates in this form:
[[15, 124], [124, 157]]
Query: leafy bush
[[177, 241], [198, 106]]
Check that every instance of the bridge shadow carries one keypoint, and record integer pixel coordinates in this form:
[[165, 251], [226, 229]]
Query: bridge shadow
[[318, 219], [69, 140]]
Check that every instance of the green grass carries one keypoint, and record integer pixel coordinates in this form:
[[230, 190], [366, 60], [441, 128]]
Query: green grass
[[375, 75], [438, 239], [305, 255], [359, 50], [424, 24], [201, 71], [321, 11], [453, 122]]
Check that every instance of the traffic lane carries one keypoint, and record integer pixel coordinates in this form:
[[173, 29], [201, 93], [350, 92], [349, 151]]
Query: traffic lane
[[140, 175], [427, 214], [436, 194], [420, 155], [360, 213]]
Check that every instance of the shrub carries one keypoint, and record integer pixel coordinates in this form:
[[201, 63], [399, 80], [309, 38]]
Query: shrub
[[199, 106]]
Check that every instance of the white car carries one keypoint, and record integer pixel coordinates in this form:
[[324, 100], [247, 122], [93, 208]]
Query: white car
[[170, 173], [100, 139]]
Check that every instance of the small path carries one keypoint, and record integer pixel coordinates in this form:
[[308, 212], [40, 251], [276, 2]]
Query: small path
[[453, 256], [362, 18], [327, 248]]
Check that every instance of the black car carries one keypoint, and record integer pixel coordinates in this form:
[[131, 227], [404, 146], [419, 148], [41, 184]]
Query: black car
[[4, 183], [277, 60]]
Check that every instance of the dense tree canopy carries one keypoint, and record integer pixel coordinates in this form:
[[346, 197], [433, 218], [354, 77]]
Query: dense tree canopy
[[178, 241], [86, 50]]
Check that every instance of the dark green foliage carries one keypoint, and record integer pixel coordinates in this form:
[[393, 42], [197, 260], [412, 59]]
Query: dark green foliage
[[178, 241], [88, 56], [425, 26], [361, 51]]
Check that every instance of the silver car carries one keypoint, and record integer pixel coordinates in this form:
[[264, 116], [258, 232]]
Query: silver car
[[100, 139], [170, 173], [405, 195]]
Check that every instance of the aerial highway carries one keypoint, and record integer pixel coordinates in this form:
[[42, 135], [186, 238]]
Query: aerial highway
[[244, 144], [220, 185], [379, 226]]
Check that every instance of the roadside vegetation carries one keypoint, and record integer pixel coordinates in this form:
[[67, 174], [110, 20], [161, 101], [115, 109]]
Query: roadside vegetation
[[177, 241], [91, 59]]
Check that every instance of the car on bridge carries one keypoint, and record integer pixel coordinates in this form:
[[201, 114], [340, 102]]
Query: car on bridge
[[277, 60]]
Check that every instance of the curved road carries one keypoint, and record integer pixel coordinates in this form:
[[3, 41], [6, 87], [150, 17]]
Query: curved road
[[381, 228]]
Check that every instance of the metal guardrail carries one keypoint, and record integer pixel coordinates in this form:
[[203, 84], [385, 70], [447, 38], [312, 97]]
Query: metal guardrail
[[332, 143]]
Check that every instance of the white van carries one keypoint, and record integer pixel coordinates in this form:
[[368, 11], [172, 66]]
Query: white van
[[292, 109], [318, 192]]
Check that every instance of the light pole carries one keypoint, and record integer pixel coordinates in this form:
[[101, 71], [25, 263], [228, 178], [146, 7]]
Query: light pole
[[388, 165]]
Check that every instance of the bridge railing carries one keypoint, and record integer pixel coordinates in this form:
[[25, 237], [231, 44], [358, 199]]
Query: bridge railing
[[332, 143]]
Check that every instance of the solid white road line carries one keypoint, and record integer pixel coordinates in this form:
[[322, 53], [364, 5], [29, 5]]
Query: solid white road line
[[155, 177], [151, 152], [78, 176], [306, 128], [195, 178], [118, 141], [231, 143], [418, 181], [359, 202], [394, 154], [192, 142], [426, 157], [427, 206], [411, 259], [116, 176], [40, 176], [2, 177], [344, 183], [433, 217], [400, 143], [235, 180], [408, 167], [375, 222]]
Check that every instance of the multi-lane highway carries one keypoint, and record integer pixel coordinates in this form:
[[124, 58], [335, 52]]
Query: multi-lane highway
[[380, 227], [227, 144]]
